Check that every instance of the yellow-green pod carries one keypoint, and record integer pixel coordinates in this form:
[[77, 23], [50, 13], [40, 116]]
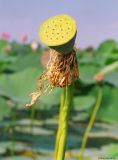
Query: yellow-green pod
[[59, 33]]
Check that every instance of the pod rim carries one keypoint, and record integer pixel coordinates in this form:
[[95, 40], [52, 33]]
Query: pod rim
[[50, 23]]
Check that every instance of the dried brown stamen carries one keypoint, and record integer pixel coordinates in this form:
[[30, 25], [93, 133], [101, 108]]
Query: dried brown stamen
[[61, 71]]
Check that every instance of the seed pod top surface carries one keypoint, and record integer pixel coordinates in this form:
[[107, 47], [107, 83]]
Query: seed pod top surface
[[58, 30]]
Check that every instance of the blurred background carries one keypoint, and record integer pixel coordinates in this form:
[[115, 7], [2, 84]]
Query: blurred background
[[29, 134]]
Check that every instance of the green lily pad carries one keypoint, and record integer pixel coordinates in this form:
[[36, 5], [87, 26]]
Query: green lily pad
[[84, 102], [81, 116], [112, 78], [106, 50], [87, 73], [51, 99], [107, 46], [111, 150], [109, 106], [2, 44], [4, 108], [26, 61], [19, 85], [4, 57]]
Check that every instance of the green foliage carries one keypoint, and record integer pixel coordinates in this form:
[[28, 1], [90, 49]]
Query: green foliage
[[4, 108], [107, 46], [83, 102], [112, 79], [19, 85], [2, 45], [111, 150], [19, 71], [87, 73], [108, 110]]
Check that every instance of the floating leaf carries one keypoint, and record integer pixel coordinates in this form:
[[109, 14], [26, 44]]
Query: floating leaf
[[107, 46], [83, 102], [19, 85], [26, 61], [81, 116], [111, 150], [50, 99], [87, 73], [2, 44], [109, 106], [4, 108], [112, 78]]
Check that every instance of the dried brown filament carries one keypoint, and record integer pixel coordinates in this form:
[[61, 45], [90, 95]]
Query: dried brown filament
[[61, 71]]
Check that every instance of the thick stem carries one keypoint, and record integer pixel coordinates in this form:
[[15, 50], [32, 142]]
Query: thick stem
[[90, 125], [66, 100], [62, 100]]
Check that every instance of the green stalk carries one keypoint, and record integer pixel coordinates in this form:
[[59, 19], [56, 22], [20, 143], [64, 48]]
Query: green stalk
[[66, 100], [90, 125], [62, 100]]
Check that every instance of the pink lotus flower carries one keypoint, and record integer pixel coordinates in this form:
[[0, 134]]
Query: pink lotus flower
[[5, 36], [24, 37]]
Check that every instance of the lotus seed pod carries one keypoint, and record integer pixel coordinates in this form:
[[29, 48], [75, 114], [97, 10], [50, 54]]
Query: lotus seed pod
[[59, 33]]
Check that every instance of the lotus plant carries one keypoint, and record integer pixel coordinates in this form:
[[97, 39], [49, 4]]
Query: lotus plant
[[5, 36], [59, 33]]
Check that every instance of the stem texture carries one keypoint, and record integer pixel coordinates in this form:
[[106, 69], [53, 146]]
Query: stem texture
[[90, 125], [66, 100]]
